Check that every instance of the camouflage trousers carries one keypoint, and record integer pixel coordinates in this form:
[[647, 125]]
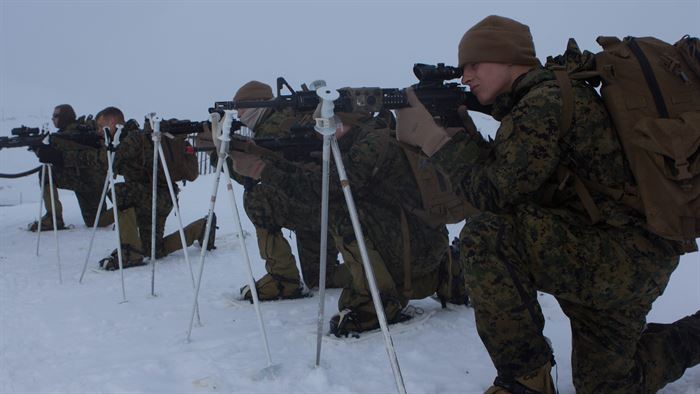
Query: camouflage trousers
[[384, 238], [87, 186], [605, 280], [270, 210], [138, 196]]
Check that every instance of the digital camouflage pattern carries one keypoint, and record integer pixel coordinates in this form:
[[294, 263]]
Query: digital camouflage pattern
[[271, 209], [605, 276], [382, 181], [134, 160], [83, 171]]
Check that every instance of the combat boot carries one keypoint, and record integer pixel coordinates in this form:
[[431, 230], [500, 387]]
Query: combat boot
[[363, 318], [130, 258], [665, 351], [46, 224], [538, 381], [212, 233], [273, 287]]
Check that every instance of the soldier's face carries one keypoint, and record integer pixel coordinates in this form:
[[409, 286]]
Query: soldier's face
[[487, 80], [56, 117]]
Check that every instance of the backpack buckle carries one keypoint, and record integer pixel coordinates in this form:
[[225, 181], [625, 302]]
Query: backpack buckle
[[683, 170]]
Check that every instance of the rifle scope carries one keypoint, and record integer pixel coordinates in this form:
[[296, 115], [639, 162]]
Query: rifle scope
[[25, 131], [441, 72]]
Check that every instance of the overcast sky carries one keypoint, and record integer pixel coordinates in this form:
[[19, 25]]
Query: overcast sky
[[178, 57]]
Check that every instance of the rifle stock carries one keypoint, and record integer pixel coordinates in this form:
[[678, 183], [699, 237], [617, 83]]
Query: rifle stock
[[298, 148]]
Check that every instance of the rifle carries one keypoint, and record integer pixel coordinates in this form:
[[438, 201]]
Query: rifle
[[87, 138], [31, 137], [440, 98], [178, 127], [299, 147]]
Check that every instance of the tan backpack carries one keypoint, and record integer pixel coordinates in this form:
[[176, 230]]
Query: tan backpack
[[180, 155], [181, 158], [652, 92]]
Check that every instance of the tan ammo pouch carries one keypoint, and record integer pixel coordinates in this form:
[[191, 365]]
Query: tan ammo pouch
[[441, 205], [667, 165]]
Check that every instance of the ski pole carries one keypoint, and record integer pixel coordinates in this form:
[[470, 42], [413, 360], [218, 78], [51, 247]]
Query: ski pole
[[112, 145], [155, 123], [327, 96], [159, 147], [41, 199], [55, 225], [97, 218], [207, 228]]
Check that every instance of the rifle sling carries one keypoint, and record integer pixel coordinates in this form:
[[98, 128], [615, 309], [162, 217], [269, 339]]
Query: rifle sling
[[21, 174], [251, 148]]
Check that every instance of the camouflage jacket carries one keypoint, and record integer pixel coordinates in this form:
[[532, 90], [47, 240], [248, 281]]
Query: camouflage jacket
[[382, 182], [80, 159], [134, 157], [274, 124], [520, 165]]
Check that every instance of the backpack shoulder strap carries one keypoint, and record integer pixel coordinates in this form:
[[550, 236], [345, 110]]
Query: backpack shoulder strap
[[567, 97], [565, 122]]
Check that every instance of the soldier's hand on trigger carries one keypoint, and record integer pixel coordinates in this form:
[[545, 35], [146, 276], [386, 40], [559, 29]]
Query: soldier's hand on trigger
[[49, 155], [247, 164], [415, 126]]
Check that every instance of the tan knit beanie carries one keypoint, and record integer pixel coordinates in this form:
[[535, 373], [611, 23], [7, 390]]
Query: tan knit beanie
[[253, 90], [497, 39]]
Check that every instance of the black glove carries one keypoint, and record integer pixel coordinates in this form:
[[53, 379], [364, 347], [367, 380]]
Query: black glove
[[49, 155]]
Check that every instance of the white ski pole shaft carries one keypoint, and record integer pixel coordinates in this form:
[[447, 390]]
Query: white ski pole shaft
[[251, 280], [113, 144], [225, 137], [207, 228], [55, 225], [181, 230], [207, 231], [41, 201], [376, 298], [324, 245], [94, 225], [155, 123]]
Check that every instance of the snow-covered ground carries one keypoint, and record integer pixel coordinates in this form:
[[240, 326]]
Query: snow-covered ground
[[81, 338]]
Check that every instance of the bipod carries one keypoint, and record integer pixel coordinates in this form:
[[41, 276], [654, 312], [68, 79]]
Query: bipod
[[156, 136], [44, 169], [112, 144], [222, 130], [105, 187], [326, 125]]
